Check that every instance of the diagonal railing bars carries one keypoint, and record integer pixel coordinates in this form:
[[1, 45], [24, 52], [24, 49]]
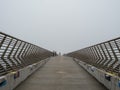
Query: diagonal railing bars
[[104, 56], [16, 54]]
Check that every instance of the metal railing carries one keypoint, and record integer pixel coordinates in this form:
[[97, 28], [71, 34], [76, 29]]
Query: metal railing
[[104, 56], [16, 54]]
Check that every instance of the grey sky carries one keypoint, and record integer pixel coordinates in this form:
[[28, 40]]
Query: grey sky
[[61, 25]]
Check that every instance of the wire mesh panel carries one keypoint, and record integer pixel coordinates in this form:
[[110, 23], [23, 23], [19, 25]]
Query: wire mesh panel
[[16, 54], [104, 56]]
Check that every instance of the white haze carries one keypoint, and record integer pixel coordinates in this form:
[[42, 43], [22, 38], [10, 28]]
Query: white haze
[[61, 25]]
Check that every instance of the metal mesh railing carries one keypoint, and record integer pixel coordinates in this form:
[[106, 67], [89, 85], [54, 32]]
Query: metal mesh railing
[[104, 56], [16, 54]]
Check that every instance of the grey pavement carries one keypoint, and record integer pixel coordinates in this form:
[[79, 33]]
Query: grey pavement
[[61, 73]]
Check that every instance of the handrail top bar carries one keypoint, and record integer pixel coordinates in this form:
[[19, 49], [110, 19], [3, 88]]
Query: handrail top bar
[[22, 40], [103, 42], [14, 37], [97, 44]]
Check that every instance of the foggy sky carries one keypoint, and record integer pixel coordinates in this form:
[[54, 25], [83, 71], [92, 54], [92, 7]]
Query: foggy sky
[[61, 25]]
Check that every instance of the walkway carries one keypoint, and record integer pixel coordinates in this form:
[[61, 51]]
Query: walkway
[[61, 73]]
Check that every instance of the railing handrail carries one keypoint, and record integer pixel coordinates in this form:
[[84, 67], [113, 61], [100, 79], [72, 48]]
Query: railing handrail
[[15, 54], [105, 55]]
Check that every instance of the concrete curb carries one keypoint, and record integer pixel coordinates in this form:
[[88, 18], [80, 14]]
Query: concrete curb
[[109, 80], [13, 79]]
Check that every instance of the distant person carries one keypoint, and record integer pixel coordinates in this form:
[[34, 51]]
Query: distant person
[[59, 53]]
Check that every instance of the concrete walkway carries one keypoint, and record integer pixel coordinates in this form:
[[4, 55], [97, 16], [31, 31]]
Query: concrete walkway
[[61, 73]]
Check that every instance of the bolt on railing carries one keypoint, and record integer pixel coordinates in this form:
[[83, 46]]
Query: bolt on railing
[[104, 56], [16, 54]]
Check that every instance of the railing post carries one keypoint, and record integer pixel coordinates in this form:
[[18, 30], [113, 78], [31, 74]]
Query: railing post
[[104, 57], [15, 56]]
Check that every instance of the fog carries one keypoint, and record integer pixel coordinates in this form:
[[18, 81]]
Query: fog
[[61, 25]]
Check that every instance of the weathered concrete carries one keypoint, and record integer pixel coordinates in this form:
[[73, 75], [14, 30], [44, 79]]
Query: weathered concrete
[[61, 73]]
